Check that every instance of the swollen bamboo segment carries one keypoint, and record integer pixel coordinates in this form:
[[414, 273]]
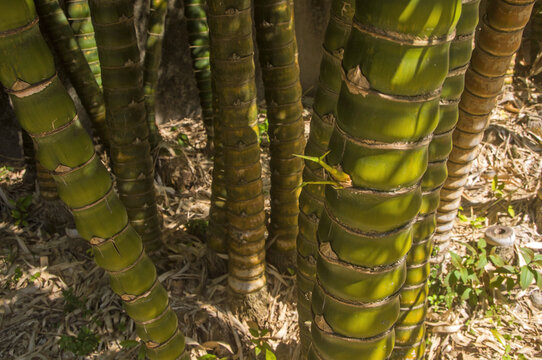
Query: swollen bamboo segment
[[198, 38], [497, 42], [277, 48], [311, 200], [230, 26], [153, 56], [45, 110], [410, 328], [394, 65], [127, 125], [73, 59]]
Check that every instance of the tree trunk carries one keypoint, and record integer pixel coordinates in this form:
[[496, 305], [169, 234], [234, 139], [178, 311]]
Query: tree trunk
[[45, 110], [153, 56], [497, 42], [394, 65], [126, 121], [75, 60], [277, 48], [311, 200], [230, 29]]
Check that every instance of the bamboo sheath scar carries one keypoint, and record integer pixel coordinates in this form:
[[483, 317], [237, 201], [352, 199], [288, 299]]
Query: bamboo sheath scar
[[45, 110], [394, 66], [410, 327], [153, 56], [497, 42], [67, 46], [126, 121], [230, 29], [277, 48], [198, 38], [311, 200]]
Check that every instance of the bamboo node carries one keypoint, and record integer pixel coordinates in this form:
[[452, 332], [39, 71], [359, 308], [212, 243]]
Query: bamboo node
[[357, 83]]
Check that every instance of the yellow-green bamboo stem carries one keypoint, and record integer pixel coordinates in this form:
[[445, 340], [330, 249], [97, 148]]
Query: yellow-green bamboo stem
[[410, 327], [394, 65], [127, 126], [153, 56], [497, 42], [277, 48], [198, 38], [230, 30], [73, 58], [45, 110], [311, 200]]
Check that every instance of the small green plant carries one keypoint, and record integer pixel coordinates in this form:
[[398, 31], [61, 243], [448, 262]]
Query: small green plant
[[129, 344], [4, 172], [182, 140], [473, 281], [263, 128], [476, 222], [262, 350], [83, 344], [197, 227], [73, 302], [497, 187], [20, 211]]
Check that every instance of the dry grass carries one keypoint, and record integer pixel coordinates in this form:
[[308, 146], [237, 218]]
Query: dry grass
[[50, 288]]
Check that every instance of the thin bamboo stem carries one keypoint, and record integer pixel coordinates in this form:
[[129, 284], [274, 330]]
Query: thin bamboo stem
[[75, 62], [127, 125]]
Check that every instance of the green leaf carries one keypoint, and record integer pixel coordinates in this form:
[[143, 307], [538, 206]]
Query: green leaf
[[128, 344], [496, 260], [482, 243], [207, 357], [527, 254], [456, 260], [526, 277], [257, 350], [269, 355], [142, 353], [511, 211], [254, 332], [499, 337], [466, 294], [538, 277], [464, 274]]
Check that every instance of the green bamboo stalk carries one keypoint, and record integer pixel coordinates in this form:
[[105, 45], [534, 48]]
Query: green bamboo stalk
[[79, 17], [277, 48], [75, 63], [198, 38], [153, 56], [45, 110], [126, 118], [311, 200], [497, 42], [410, 327], [230, 30], [394, 65]]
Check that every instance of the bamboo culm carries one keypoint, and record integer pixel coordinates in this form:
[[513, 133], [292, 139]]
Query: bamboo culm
[[277, 47], [394, 65], [410, 327], [73, 58], [198, 39], [126, 120], [311, 200], [45, 110], [233, 72], [153, 56], [497, 42]]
